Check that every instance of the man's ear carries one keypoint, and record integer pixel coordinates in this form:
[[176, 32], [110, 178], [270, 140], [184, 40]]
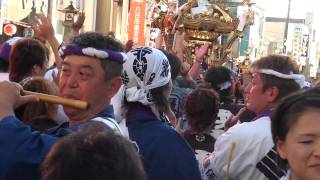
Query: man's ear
[[115, 84], [273, 94], [281, 148]]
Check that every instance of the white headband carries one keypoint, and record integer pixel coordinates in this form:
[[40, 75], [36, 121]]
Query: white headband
[[224, 86], [299, 78]]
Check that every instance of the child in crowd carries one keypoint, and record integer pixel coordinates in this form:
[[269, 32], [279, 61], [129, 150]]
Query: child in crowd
[[39, 115]]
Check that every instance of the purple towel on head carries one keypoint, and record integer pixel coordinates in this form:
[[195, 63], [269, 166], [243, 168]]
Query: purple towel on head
[[5, 47]]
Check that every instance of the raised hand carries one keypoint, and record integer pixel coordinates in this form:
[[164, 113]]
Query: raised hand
[[44, 31], [78, 21], [10, 98], [234, 119], [201, 52], [43, 28], [128, 45]]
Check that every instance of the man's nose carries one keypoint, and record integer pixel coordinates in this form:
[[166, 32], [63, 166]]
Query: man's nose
[[72, 81]]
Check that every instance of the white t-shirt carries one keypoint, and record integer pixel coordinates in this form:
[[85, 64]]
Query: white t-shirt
[[252, 155]]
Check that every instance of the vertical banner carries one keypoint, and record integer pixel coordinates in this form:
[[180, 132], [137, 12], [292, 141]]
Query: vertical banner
[[305, 45], [137, 18], [296, 42]]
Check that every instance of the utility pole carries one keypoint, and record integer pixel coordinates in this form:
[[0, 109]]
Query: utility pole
[[286, 29]]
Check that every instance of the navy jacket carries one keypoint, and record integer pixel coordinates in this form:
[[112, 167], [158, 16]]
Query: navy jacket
[[22, 151], [165, 154]]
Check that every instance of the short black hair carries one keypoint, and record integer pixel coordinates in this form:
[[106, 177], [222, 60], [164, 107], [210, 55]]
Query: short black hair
[[175, 63], [282, 64], [100, 41], [93, 153], [217, 75], [289, 110], [97, 40]]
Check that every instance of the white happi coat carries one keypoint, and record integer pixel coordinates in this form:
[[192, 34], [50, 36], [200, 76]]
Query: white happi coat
[[252, 158]]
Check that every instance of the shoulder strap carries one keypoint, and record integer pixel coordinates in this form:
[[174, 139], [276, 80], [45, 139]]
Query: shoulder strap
[[110, 122]]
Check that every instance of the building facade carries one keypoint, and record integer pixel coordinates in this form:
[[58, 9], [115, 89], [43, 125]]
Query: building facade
[[104, 16]]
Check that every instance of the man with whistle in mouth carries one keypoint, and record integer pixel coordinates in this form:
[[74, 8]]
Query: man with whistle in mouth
[[90, 71]]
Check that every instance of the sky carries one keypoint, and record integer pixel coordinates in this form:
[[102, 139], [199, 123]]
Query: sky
[[278, 8]]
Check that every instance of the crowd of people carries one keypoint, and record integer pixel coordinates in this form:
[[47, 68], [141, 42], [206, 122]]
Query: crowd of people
[[150, 115]]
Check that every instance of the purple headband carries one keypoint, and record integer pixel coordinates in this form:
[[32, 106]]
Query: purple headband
[[66, 50], [5, 48]]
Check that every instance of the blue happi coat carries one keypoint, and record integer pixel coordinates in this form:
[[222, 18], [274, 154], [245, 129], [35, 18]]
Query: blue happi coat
[[22, 151], [165, 154]]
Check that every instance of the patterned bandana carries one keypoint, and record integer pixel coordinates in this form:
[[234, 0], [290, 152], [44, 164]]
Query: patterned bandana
[[67, 50], [145, 69]]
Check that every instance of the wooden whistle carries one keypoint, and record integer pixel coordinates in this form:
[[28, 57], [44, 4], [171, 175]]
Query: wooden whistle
[[58, 100]]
